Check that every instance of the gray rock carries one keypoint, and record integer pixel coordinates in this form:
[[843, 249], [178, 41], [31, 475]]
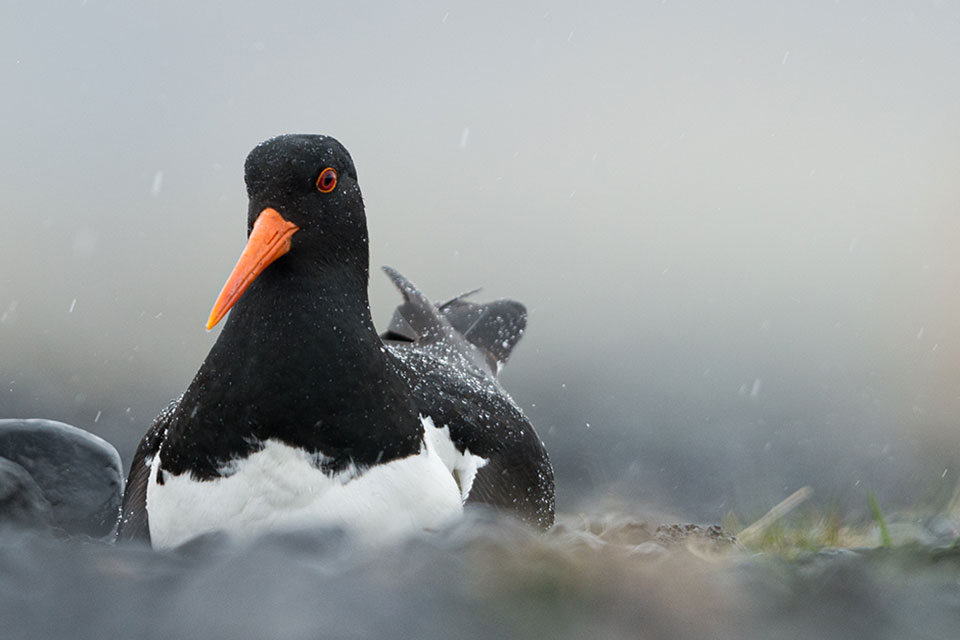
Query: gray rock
[[21, 500], [78, 473]]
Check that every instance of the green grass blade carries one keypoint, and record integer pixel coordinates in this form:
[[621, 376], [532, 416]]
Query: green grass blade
[[877, 515]]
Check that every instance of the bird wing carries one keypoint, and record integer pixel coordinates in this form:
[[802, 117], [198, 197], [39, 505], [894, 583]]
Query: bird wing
[[134, 521], [492, 328], [485, 421], [449, 356]]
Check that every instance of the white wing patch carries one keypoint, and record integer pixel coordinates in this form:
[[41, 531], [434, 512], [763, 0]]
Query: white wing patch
[[463, 466]]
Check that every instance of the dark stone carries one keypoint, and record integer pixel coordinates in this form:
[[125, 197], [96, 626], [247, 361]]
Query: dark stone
[[21, 500], [78, 473]]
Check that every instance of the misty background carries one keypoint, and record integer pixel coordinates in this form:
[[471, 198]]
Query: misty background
[[734, 225]]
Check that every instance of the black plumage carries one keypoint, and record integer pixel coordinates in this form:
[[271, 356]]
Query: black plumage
[[299, 361]]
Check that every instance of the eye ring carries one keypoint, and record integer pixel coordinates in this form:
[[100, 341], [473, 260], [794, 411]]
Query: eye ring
[[327, 180]]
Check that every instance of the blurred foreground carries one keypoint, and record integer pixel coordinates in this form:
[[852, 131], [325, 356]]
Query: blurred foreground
[[603, 577]]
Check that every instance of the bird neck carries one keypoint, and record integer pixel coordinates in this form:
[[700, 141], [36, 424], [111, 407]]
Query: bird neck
[[295, 321], [298, 361]]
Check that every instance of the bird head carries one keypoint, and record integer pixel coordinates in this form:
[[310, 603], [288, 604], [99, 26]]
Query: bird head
[[305, 207]]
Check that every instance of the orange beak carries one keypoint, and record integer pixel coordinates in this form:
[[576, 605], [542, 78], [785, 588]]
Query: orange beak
[[269, 240]]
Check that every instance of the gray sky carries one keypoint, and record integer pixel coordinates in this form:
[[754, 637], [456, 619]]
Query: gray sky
[[735, 224]]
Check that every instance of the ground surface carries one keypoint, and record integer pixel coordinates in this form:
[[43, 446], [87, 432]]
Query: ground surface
[[601, 577]]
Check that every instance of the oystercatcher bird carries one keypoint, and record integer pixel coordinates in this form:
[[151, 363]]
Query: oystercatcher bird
[[302, 415]]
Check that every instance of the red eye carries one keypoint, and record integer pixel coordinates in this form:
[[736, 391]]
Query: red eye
[[327, 180]]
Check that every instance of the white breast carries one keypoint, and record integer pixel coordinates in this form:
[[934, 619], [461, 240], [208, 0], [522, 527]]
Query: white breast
[[280, 487]]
